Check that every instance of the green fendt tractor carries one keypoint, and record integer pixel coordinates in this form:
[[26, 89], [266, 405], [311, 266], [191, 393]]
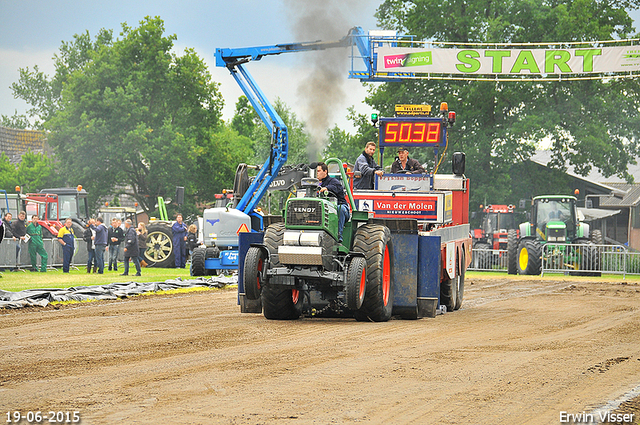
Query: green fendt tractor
[[554, 224], [303, 255]]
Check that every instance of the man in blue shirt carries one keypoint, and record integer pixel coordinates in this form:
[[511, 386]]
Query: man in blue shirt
[[179, 230], [100, 241], [331, 184]]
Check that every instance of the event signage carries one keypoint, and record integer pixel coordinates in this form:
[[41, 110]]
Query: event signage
[[507, 61], [431, 207]]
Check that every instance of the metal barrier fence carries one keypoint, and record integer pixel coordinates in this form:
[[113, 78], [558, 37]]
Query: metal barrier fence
[[575, 259], [489, 260], [54, 250]]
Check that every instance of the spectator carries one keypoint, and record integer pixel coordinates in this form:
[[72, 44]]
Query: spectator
[[142, 242], [19, 229], [88, 236], [116, 236], [8, 234], [179, 230], [67, 239], [367, 167], [192, 238], [330, 184], [405, 165], [36, 245], [100, 241], [131, 250]]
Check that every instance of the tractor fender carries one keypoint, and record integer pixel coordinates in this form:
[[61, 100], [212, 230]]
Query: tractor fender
[[583, 230], [525, 229]]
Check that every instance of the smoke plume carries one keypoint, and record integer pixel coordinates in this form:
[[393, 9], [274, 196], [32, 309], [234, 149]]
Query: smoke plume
[[322, 91]]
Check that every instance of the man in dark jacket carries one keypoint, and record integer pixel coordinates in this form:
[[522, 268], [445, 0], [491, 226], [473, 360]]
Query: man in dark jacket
[[131, 250], [19, 230], [8, 232], [333, 185], [368, 168], [67, 239], [100, 241], [115, 236], [88, 236], [179, 230], [405, 165]]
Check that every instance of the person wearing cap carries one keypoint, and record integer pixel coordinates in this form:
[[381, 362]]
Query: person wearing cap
[[67, 239], [405, 165]]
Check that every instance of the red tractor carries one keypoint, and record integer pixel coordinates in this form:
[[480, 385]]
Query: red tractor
[[497, 220], [53, 206]]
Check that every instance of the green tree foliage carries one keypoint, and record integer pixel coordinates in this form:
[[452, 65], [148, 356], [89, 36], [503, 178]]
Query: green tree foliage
[[14, 121], [37, 171], [8, 177], [298, 137], [589, 123], [245, 120], [130, 112]]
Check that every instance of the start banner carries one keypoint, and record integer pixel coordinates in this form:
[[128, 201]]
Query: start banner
[[513, 62]]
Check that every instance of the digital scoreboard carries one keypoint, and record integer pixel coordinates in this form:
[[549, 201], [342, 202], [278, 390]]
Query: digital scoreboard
[[412, 131]]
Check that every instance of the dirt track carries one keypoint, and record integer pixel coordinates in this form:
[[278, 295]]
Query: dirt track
[[519, 351]]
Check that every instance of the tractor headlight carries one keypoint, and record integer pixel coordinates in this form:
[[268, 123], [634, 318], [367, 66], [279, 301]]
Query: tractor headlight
[[552, 239]]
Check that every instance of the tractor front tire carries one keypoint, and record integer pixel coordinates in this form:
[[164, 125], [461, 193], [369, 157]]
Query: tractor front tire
[[197, 262], [253, 273], [512, 252], [374, 241], [484, 255], [281, 304], [529, 257], [356, 283]]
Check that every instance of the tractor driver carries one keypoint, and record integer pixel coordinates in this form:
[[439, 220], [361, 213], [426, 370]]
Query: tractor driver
[[331, 184]]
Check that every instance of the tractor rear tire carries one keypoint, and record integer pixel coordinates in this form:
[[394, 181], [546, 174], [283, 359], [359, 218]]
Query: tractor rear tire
[[356, 283], [512, 252], [589, 259], [596, 237], [529, 257], [253, 273], [484, 255], [273, 237], [281, 304], [159, 251], [374, 241], [197, 262]]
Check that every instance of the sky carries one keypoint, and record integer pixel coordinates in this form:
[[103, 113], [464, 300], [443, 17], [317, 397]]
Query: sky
[[31, 32]]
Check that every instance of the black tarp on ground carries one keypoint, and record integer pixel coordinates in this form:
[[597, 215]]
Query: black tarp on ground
[[42, 297]]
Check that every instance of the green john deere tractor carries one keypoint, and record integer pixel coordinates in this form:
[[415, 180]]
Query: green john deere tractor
[[556, 235], [303, 257]]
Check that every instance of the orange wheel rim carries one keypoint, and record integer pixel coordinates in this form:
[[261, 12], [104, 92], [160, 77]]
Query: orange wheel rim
[[386, 276], [363, 283], [295, 295], [259, 272]]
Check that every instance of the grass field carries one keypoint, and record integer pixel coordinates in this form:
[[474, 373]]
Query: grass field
[[18, 281]]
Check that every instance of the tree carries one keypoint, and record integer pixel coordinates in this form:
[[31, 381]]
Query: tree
[[36, 171], [8, 178], [14, 121], [298, 137], [245, 118], [129, 112], [589, 123]]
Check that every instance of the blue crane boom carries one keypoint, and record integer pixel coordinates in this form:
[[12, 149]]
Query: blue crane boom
[[234, 60]]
